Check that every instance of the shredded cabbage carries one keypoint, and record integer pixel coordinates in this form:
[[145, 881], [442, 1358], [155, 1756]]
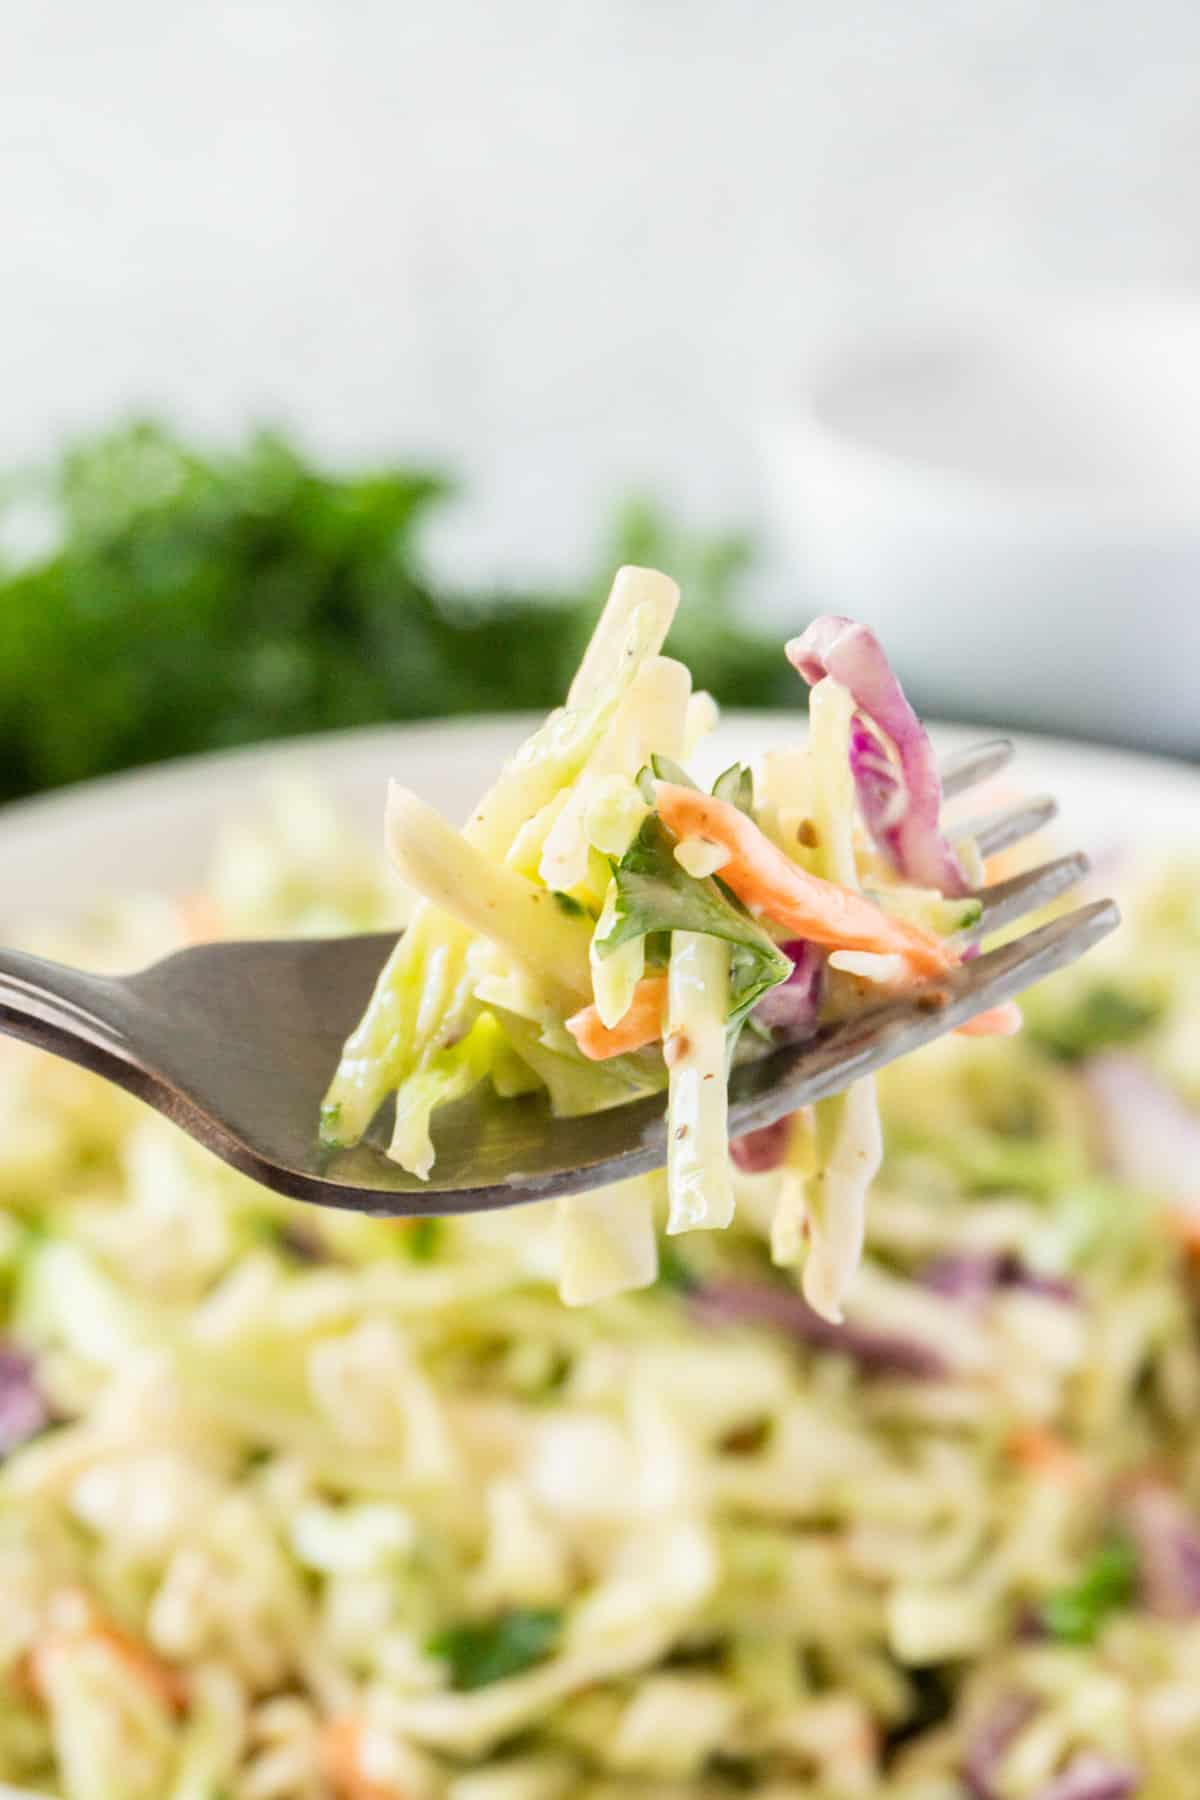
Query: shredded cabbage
[[406, 1016], [848, 1143], [699, 1176], [315, 1506]]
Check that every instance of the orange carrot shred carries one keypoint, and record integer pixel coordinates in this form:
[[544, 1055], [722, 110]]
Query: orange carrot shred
[[340, 1757], [997, 1021], [639, 1025], [768, 882], [1044, 1452], [168, 1682], [201, 917]]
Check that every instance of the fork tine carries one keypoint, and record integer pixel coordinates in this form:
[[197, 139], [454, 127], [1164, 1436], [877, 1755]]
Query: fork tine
[[858, 1046], [1016, 965], [1000, 830], [967, 768], [1007, 900]]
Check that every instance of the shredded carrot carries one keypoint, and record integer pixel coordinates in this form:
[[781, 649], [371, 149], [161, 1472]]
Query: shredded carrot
[[641, 1024], [340, 1757], [201, 918], [767, 881], [1184, 1224], [1005, 863], [167, 1682], [997, 1021], [1044, 1452]]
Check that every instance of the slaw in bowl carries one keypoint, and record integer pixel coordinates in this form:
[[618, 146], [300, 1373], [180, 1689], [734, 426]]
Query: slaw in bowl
[[295, 1505]]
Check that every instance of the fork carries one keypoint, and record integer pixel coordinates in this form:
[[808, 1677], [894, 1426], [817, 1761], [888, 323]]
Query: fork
[[235, 1043]]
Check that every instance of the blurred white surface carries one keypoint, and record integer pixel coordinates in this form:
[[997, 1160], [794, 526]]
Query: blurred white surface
[[568, 247], [1014, 504]]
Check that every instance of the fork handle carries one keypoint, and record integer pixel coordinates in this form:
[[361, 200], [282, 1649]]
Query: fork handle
[[92, 998], [47, 1027]]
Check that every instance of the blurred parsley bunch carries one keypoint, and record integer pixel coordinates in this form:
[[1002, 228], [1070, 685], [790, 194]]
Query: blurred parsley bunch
[[192, 600]]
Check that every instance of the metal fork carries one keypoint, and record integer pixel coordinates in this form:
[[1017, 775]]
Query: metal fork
[[236, 1043]]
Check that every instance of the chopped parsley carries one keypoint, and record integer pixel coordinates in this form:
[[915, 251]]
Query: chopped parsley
[[673, 1271], [480, 1653], [1100, 1018], [422, 1238], [331, 1127], [1077, 1614], [574, 909]]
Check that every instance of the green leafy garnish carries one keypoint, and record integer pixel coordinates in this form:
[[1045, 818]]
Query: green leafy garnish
[[673, 1270], [422, 1237], [574, 909], [479, 1654], [1076, 1615], [736, 786], [1101, 1017], [330, 1127], [667, 769], [654, 894]]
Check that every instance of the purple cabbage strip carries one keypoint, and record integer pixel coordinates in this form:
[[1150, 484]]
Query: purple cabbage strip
[[969, 1276], [23, 1410], [973, 1276], [1152, 1139], [757, 1151], [780, 1309], [1166, 1536], [877, 782], [990, 1744], [1090, 1776], [792, 1007], [853, 656], [791, 1010], [1053, 1287]]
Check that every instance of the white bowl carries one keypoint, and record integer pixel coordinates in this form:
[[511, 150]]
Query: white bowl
[[1013, 502]]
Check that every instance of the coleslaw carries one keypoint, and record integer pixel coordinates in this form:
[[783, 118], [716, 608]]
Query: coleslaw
[[305, 1506], [603, 927]]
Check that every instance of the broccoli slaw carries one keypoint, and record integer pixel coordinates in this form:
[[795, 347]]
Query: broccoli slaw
[[304, 1506], [603, 927]]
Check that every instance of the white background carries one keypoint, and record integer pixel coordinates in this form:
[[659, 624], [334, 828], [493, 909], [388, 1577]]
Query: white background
[[567, 248]]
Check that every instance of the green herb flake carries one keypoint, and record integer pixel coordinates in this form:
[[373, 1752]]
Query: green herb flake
[[673, 1271], [736, 786], [331, 1127], [667, 769], [567, 903], [1077, 1614], [481, 1653], [653, 894], [422, 1239], [1102, 1017]]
